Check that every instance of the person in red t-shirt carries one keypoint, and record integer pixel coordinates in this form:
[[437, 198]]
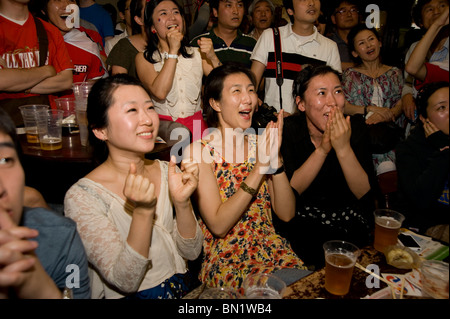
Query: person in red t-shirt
[[83, 50], [21, 77]]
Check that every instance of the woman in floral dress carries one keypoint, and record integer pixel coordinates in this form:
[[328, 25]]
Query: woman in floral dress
[[238, 190]]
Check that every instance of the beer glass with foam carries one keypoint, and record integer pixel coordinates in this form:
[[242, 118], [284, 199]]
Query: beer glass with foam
[[387, 225], [340, 259]]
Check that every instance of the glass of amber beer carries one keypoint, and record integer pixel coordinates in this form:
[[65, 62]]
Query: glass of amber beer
[[387, 225], [340, 259]]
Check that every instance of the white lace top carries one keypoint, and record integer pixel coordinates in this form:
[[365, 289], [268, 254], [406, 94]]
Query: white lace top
[[184, 98], [103, 222]]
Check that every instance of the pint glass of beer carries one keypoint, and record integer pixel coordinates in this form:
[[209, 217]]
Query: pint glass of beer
[[387, 225], [340, 259]]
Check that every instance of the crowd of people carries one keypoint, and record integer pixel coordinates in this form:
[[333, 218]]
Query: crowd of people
[[243, 200]]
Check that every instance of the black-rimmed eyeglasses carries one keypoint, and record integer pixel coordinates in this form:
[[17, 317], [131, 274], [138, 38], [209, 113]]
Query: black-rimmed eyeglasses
[[345, 11]]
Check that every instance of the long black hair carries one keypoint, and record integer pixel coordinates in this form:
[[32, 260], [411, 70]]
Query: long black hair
[[152, 38]]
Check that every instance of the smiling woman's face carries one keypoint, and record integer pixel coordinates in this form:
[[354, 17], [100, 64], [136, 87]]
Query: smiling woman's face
[[57, 14]]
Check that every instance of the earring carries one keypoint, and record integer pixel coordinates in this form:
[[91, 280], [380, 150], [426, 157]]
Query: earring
[[153, 31]]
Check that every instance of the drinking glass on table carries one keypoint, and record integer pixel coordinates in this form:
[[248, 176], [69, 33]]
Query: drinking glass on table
[[263, 286], [387, 226], [49, 123], [69, 124], [29, 116], [340, 259]]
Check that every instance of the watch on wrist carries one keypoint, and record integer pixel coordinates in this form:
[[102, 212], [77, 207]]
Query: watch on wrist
[[170, 56]]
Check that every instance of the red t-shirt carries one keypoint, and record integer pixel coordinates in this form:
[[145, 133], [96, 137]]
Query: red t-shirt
[[434, 74], [19, 48]]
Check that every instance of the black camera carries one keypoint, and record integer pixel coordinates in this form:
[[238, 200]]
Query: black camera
[[263, 116]]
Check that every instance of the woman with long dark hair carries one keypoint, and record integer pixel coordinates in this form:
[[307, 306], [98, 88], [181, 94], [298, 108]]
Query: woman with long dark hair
[[170, 70]]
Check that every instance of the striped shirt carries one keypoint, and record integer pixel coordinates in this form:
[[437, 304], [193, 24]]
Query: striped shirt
[[239, 50], [296, 53]]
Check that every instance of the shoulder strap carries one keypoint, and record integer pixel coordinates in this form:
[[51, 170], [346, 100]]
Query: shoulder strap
[[278, 61], [42, 40]]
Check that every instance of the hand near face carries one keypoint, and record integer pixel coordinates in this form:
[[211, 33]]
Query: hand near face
[[340, 130], [182, 184], [174, 37], [139, 190], [443, 19], [206, 47], [16, 254], [428, 126], [325, 145]]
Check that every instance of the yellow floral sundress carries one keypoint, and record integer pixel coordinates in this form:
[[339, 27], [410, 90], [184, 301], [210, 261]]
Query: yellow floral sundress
[[251, 246]]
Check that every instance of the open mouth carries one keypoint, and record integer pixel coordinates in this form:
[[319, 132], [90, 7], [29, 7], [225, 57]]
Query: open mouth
[[245, 114], [172, 26], [311, 11]]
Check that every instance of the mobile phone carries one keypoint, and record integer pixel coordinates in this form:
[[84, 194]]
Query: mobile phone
[[409, 241]]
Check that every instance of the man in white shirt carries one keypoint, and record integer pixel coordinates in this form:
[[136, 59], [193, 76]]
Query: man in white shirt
[[301, 44]]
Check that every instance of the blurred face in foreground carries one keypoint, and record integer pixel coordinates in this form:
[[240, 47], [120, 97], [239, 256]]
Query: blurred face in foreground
[[12, 179]]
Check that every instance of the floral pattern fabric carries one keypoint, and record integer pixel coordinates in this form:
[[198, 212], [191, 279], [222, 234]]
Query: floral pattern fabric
[[251, 246], [384, 91]]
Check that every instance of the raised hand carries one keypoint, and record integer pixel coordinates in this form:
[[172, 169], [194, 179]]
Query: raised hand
[[428, 126], [174, 38], [182, 184], [139, 190], [340, 130], [206, 47]]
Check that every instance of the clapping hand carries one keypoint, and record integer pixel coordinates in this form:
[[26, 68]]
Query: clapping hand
[[182, 184], [340, 130], [139, 190], [269, 145]]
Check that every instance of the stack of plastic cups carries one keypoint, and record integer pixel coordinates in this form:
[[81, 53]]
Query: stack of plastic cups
[[81, 91]]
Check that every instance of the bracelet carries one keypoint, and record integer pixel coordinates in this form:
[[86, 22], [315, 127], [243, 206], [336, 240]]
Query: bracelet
[[279, 170], [365, 111], [170, 56], [248, 189]]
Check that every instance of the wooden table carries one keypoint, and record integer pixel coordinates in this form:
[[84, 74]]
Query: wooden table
[[54, 172], [313, 285]]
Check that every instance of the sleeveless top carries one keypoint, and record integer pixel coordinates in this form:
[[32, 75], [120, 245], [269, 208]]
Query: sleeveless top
[[251, 246]]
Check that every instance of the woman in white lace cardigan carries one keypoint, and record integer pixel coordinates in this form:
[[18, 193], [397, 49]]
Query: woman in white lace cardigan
[[124, 209]]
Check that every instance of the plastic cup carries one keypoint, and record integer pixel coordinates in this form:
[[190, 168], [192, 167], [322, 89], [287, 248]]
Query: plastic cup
[[69, 123], [434, 276], [49, 123], [340, 259], [30, 120], [83, 126], [263, 286], [81, 92], [387, 225]]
